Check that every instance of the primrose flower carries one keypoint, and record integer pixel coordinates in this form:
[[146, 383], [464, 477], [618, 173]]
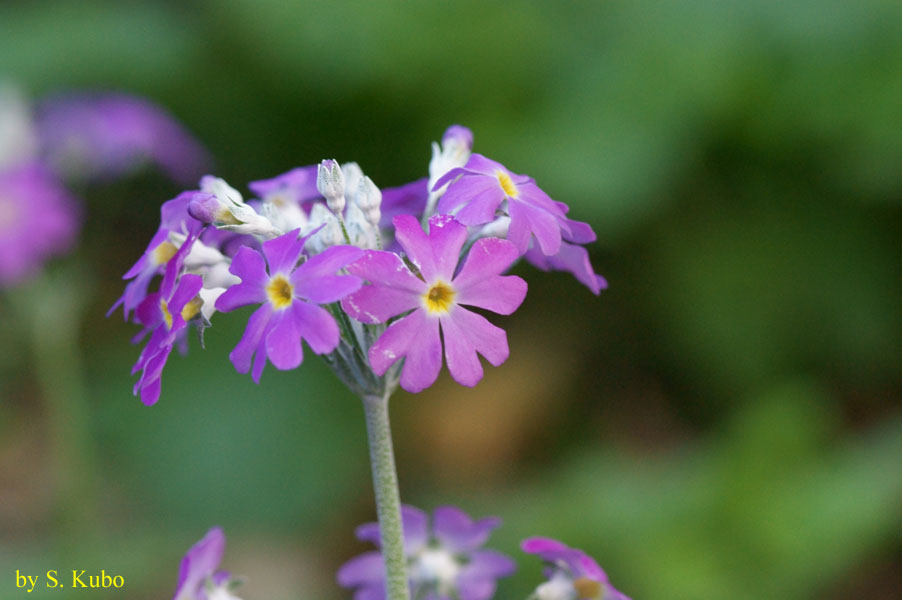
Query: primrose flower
[[442, 564], [38, 219], [289, 296], [436, 298], [165, 315], [199, 577], [482, 187], [222, 205], [572, 574], [107, 135]]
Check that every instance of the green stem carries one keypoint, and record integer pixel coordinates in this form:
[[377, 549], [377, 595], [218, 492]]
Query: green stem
[[388, 501]]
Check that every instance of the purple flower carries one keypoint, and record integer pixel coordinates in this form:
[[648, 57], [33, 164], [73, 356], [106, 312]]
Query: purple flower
[[480, 188], [572, 574], [436, 298], [107, 135], [289, 296], [174, 219], [296, 186], [407, 199], [38, 219], [165, 315], [199, 577], [442, 564]]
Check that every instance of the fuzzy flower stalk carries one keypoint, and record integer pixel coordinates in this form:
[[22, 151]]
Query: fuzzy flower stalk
[[385, 284]]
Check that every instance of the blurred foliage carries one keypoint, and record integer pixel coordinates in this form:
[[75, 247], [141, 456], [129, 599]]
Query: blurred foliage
[[722, 423]]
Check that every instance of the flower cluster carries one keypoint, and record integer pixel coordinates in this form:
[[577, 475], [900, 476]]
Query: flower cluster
[[382, 283], [69, 138]]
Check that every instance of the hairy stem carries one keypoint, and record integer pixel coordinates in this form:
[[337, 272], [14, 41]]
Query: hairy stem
[[388, 501]]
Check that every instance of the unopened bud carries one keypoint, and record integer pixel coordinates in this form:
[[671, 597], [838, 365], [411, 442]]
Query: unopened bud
[[330, 183], [369, 199], [222, 205], [353, 175], [329, 234], [362, 233]]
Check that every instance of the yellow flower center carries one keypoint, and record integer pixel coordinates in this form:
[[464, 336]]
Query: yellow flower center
[[190, 310], [587, 588], [507, 184], [167, 316], [439, 298], [162, 253], [279, 291]]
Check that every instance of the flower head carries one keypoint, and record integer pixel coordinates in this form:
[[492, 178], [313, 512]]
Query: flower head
[[289, 297], [444, 563], [572, 574], [199, 577], [38, 219], [436, 298]]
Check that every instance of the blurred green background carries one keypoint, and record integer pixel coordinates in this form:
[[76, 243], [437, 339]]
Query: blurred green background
[[723, 422]]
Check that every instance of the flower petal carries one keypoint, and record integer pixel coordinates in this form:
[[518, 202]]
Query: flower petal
[[283, 341], [326, 263], [243, 353], [573, 259], [283, 252], [467, 333], [379, 303], [386, 268], [200, 562], [528, 220], [478, 283], [316, 326], [248, 264], [458, 532], [415, 337], [365, 569]]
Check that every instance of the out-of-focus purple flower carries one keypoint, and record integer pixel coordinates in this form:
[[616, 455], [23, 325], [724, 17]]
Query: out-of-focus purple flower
[[296, 186], [572, 574], [482, 186], [436, 299], [407, 199], [104, 136], [443, 563], [38, 219], [289, 296], [174, 221], [165, 315], [199, 577]]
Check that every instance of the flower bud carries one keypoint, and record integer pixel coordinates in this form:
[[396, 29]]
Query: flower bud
[[222, 205], [353, 175], [363, 234], [330, 183], [369, 199], [329, 233]]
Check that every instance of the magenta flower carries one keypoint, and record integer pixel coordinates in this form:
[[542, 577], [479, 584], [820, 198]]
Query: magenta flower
[[108, 135], [480, 188], [289, 296], [571, 573], [199, 577], [165, 315], [38, 219], [407, 199], [436, 298], [442, 564]]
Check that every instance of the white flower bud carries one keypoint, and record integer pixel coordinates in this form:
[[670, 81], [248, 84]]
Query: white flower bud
[[362, 233], [222, 205], [329, 235], [353, 175], [330, 183], [369, 199]]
